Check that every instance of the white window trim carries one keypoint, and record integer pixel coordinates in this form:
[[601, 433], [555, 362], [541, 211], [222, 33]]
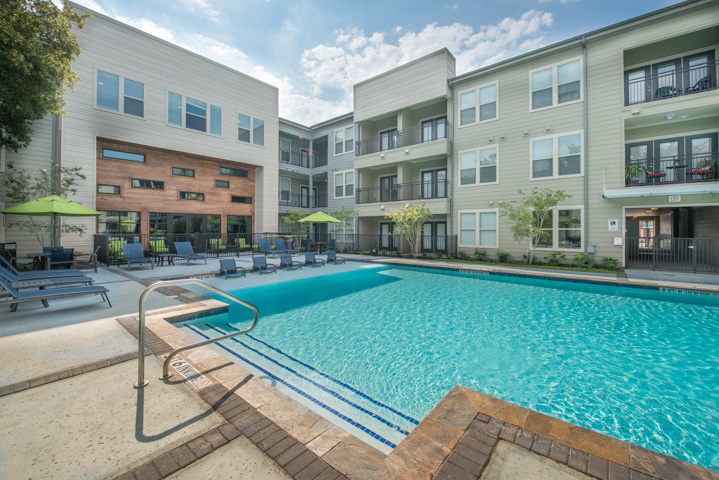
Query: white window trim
[[251, 143], [555, 230], [476, 167], [184, 112], [344, 140], [344, 190], [477, 105], [476, 227], [555, 156], [555, 86], [121, 96]]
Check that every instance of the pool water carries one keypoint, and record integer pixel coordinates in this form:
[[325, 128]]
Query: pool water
[[378, 348]]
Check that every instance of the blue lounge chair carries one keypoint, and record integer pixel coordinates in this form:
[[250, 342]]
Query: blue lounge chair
[[34, 274], [133, 255], [306, 245], [14, 296], [331, 244], [287, 262], [266, 248], [184, 250], [260, 264], [280, 245], [229, 268], [21, 282], [332, 257], [310, 259]]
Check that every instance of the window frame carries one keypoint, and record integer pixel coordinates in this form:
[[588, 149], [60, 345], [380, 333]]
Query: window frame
[[251, 129], [555, 85], [477, 228], [555, 230], [119, 190], [477, 166], [555, 156], [103, 149], [192, 199], [159, 182], [344, 184], [246, 175], [210, 107], [233, 197], [120, 95], [182, 174], [434, 119], [477, 105], [220, 186], [344, 140]]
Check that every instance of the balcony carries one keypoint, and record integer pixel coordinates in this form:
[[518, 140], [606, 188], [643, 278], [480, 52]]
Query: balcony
[[302, 158], [403, 192], [427, 132], [668, 80], [302, 201], [667, 170]]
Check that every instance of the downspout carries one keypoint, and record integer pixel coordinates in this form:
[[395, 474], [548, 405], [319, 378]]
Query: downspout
[[586, 145], [451, 166]]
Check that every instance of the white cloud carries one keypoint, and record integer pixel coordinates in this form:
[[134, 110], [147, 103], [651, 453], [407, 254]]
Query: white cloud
[[563, 2], [91, 4], [202, 7]]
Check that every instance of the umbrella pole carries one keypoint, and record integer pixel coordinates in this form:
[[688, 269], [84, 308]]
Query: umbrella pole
[[53, 225]]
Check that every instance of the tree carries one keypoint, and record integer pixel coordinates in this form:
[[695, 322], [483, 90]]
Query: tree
[[346, 217], [37, 48], [530, 214], [408, 222], [292, 220], [23, 186]]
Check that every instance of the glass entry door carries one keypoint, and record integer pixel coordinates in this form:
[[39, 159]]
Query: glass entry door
[[388, 189], [434, 237], [434, 183], [305, 196], [386, 240], [669, 160]]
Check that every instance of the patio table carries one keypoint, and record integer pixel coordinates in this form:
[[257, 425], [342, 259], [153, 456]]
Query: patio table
[[41, 260], [160, 259]]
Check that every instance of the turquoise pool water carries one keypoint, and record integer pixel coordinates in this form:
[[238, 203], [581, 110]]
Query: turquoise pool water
[[378, 348]]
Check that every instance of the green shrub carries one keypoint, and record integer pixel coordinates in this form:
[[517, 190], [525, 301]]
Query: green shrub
[[462, 255], [480, 254], [503, 256], [609, 263], [395, 254], [555, 258], [582, 259], [407, 255]]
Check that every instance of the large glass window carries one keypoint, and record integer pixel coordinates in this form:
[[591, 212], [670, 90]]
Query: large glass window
[[174, 109], [468, 229], [250, 130], [158, 223], [195, 114], [557, 84], [473, 172], [111, 88], [487, 229], [542, 158], [344, 184], [478, 228], [488, 103], [484, 97], [467, 107], [434, 128], [134, 98], [258, 132], [542, 88], [344, 140], [568, 80], [468, 168], [215, 120], [563, 227], [570, 154], [557, 156], [108, 91], [243, 128], [239, 224], [117, 222], [488, 165], [214, 224], [198, 115]]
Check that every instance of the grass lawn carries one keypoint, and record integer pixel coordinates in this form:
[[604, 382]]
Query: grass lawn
[[521, 265]]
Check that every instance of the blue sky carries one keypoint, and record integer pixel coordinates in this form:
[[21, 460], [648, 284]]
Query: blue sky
[[315, 50]]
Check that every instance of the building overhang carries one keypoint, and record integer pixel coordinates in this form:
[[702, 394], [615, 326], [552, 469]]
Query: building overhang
[[668, 190]]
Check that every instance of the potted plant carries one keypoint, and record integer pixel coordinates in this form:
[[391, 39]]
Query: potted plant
[[634, 169]]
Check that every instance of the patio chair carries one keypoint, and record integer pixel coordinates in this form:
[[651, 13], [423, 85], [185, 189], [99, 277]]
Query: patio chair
[[23, 282], [229, 268], [332, 257], [15, 297], [64, 258], [91, 257], [159, 246], [216, 245], [306, 245], [34, 274], [133, 254], [280, 246], [287, 262], [331, 244], [184, 250], [266, 248], [310, 259], [260, 264]]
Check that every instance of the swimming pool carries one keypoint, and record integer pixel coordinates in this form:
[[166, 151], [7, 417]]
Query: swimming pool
[[377, 349]]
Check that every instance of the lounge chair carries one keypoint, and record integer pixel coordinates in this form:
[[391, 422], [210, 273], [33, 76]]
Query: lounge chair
[[332, 257], [229, 268], [266, 248], [35, 274], [22, 282], [133, 254], [287, 262], [260, 263], [184, 250], [310, 259], [280, 246], [16, 296]]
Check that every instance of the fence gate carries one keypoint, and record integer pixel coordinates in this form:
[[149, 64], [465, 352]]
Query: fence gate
[[698, 255]]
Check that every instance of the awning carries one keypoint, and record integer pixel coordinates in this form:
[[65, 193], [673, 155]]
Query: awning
[[663, 191]]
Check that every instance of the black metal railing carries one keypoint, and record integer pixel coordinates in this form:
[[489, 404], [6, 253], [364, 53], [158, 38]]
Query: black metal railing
[[426, 132], [403, 192], [698, 255], [302, 201], [302, 158], [700, 167], [681, 81]]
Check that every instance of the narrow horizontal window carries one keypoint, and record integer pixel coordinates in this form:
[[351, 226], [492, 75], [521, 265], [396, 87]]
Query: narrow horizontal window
[[108, 189], [120, 155], [222, 184], [236, 199], [153, 184], [192, 196], [183, 172], [233, 171]]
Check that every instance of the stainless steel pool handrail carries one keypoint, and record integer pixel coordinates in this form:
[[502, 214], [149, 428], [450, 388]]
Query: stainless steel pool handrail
[[141, 381]]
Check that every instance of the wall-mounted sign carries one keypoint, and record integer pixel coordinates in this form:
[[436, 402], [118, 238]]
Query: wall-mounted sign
[[675, 198], [613, 225], [617, 240]]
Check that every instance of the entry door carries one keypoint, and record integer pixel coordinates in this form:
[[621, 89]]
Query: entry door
[[434, 236], [388, 139], [433, 183], [385, 236], [667, 81], [669, 159], [388, 189], [701, 157], [305, 196]]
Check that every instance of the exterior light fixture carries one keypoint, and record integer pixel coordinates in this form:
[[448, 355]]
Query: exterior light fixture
[[669, 117]]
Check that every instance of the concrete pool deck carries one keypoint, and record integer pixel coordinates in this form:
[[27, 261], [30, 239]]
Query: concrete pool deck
[[66, 395]]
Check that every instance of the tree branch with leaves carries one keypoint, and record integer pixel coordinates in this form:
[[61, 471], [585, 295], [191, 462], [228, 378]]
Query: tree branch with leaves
[[408, 221]]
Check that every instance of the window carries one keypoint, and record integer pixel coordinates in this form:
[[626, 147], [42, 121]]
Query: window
[[109, 87], [250, 130], [222, 184], [468, 111], [472, 172], [198, 115], [237, 199], [478, 228], [564, 229], [158, 223], [434, 128], [233, 171], [239, 224], [113, 222], [183, 172], [344, 140], [214, 224], [154, 184], [285, 187], [120, 155], [388, 139], [192, 196], [258, 132], [243, 128], [556, 156], [344, 184], [561, 83], [108, 189]]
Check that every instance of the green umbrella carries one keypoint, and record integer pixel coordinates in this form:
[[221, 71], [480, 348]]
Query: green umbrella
[[320, 217], [52, 206]]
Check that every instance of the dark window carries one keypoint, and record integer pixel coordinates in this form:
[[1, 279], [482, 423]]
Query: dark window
[[236, 199], [158, 223], [239, 224], [154, 184], [113, 222], [214, 224], [184, 172], [109, 189], [222, 184], [120, 155], [192, 196], [233, 171]]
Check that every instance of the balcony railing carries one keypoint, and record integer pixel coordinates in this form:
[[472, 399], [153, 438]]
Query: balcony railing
[[403, 192], [427, 132], [302, 158], [302, 201], [677, 82], [700, 167]]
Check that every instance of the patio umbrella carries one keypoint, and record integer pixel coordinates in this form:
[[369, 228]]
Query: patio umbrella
[[320, 217], [52, 206]]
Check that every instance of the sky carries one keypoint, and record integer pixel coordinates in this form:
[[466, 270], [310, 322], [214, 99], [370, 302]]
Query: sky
[[315, 50]]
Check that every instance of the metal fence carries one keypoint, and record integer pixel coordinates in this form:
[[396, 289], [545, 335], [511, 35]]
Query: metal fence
[[700, 167], [403, 191], [426, 132], [287, 199], [698, 255], [641, 86]]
